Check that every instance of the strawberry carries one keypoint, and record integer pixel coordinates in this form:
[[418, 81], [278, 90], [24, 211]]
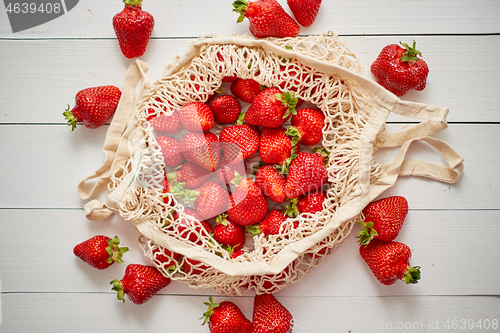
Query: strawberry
[[270, 316], [226, 109], [389, 262], [228, 233], [226, 172], [100, 251], [311, 203], [276, 147], [304, 11], [193, 267], [139, 283], [383, 219], [189, 229], [239, 142], [190, 174], [167, 258], [267, 18], [133, 27], [202, 149], [247, 204], [93, 106], [166, 124], [196, 117], [245, 89], [399, 69], [271, 108], [307, 172], [212, 199], [271, 183], [271, 225], [171, 150], [225, 317], [307, 125]]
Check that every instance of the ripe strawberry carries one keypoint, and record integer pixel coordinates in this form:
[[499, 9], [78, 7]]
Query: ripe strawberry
[[400, 69], [139, 283], [225, 317], [166, 124], [271, 108], [245, 89], [228, 233], [202, 149], [311, 203], [190, 174], [307, 125], [93, 106], [306, 173], [100, 251], [196, 117], [304, 11], [171, 150], [133, 27], [247, 204], [226, 109], [239, 142], [383, 219], [267, 18], [270, 316], [193, 267], [167, 258], [276, 147], [389, 262], [227, 172], [271, 183], [212, 199], [271, 225], [189, 229]]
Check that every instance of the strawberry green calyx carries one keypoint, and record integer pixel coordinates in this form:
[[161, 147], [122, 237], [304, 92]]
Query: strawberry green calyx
[[291, 208], [71, 118], [283, 168], [240, 6], [118, 287], [241, 119], [237, 178], [289, 100], [293, 133], [253, 229], [133, 2], [211, 307], [411, 53], [366, 234], [115, 252], [323, 152], [412, 275], [221, 219]]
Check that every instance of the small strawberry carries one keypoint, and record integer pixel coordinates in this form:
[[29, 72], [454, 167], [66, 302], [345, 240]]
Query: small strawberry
[[399, 69], [270, 316], [225, 317], [133, 27], [228, 233], [267, 18], [271, 183], [311, 203], [93, 106], [247, 204], [139, 283], [245, 89], [276, 147], [271, 225], [304, 11], [166, 124], [307, 172], [171, 150], [271, 108], [239, 142], [383, 219], [389, 262], [212, 199], [100, 251], [196, 117], [226, 109], [202, 149], [190, 174], [307, 125]]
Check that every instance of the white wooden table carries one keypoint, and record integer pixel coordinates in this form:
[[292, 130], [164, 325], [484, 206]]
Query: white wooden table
[[453, 230]]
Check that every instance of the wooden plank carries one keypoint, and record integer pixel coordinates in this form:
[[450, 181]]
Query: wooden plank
[[175, 18]]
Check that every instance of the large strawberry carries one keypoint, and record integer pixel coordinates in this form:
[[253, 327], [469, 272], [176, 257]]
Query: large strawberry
[[304, 11], [271, 183], [133, 27], [311, 203], [271, 108], [225, 317], [383, 219], [191, 229], [196, 117], [226, 109], [270, 316], [167, 124], [245, 89], [171, 150], [139, 283], [400, 69], [276, 147], [212, 199], [247, 204], [93, 106], [389, 262], [307, 125], [306, 173], [190, 174], [271, 225], [202, 149], [100, 251], [228, 233], [239, 142], [267, 18]]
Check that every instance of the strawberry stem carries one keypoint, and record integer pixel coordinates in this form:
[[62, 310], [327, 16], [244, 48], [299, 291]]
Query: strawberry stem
[[115, 252], [289, 100], [240, 6], [253, 229], [71, 118], [293, 133], [118, 287], [241, 119], [291, 208], [410, 54], [211, 306], [133, 2], [412, 275], [367, 233]]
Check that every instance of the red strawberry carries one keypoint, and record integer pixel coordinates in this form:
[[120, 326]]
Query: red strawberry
[[226, 172], [270, 316], [226, 109], [276, 147], [304, 11], [202, 149], [307, 125], [239, 142], [192, 229], [167, 258], [133, 27], [307, 172], [140, 283], [311, 203], [400, 69], [228, 233], [193, 267], [196, 117], [389, 262], [171, 150], [271, 225], [271, 183], [100, 251], [383, 219], [267, 18], [190, 174], [167, 124], [271, 108], [247, 204], [225, 317], [245, 89], [93, 106], [212, 199]]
